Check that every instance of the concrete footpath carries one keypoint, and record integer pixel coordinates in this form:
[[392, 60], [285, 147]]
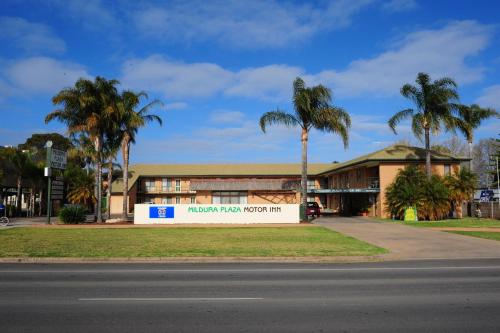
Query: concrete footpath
[[406, 243]]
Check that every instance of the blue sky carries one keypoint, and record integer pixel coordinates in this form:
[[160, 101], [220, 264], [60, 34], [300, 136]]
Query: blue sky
[[218, 65]]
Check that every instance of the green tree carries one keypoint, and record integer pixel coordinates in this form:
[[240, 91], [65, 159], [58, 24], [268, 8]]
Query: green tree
[[88, 108], [435, 204], [81, 186], [36, 144], [312, 110], [132, 117], [470, 119], [461, 186], [434, 101], [406, 191], [21, 166]]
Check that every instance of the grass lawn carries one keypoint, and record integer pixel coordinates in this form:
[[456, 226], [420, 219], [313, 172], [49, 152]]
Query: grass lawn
[[466, 222], [480, 234], [180, 242]]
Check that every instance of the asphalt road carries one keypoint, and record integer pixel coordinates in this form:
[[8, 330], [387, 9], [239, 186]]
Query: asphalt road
[[419, 296]]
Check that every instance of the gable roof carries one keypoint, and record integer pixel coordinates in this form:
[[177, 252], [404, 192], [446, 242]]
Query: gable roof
[[217, 170], [397, 153]]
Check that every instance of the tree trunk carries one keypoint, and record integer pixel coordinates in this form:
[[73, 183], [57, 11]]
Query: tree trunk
[[304, 168], [40, 202], [110, 179], [98, 148], [18, 196], [470, 155], [428, 153], [125, 155], [458, 209]]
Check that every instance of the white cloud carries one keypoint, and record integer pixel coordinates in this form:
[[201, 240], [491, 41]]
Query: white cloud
[[227, 117], [30, 37], [490, 97], [176, 106], [272, 82], [245, 24], [174, 79], [91, 14], [395, 6], [439, 52], [41, 75]]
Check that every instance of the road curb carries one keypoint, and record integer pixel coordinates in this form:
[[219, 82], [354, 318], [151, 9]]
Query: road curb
[[212, 260]]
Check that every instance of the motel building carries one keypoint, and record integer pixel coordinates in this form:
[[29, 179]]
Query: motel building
[[355, 187]]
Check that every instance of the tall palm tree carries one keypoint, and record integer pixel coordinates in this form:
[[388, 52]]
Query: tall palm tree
[[21, 166], [434, 101], [88, 108], [470, 119], [131, 118], [312, 110]]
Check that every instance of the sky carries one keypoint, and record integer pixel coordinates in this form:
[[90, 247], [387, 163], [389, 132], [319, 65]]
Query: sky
[[217, 66]]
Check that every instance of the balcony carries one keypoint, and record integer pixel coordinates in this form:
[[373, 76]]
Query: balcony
[[372, 185], [165, 190]]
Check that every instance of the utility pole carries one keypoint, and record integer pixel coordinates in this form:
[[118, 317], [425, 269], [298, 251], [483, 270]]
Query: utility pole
[[48, 174]]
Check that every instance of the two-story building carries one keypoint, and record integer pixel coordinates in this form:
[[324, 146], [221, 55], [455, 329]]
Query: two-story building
[[350, 188]]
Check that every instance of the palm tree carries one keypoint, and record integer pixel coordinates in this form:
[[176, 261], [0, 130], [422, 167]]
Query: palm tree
[[312, 110], [470, 119], [434, 106], [22, 166], [131, 118], [88, 108], [462, 186]]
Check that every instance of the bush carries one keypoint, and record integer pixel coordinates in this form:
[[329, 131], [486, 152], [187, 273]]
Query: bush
[[411, 188], [73, 214]]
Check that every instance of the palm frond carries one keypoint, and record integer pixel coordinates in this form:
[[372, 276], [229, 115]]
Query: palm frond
[[398, 117], [277, 117]]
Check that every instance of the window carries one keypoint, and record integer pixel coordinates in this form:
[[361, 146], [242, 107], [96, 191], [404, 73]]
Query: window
[[169, 200], [165, 185], [149, 185], [359, 175], [177, 200], [193, 200], [177, 185], [164, 201], [311, 184], [447, 169], [229, 197]]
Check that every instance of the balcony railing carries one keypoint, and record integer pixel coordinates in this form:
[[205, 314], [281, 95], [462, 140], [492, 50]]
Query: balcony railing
[[161, 189]]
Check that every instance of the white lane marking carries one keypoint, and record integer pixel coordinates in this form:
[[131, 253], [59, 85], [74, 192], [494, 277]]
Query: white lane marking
[[256, 270], [169, 299]]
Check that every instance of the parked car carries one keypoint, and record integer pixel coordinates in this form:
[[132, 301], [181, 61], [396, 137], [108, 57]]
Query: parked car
[[312, 209]]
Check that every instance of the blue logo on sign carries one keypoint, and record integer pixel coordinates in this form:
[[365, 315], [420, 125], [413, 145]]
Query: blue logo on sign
[[162, 212]]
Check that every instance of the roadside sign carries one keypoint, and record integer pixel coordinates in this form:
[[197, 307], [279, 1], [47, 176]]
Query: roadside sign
[[58, 159], [57, 192], [410, 214], [486, 196]]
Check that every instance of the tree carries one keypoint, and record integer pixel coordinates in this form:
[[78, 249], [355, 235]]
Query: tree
[[481, 161], [22, 165], [470, 119], [88, 108], [453, 146], [405, 191], [312, 110], [412, 188], [81, 186], [36, 145], [461, 187], [131, 118], [434, 101]]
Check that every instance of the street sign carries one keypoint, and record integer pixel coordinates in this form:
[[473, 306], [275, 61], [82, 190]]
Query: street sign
[[486, 196], [57, 192], [58, 159]]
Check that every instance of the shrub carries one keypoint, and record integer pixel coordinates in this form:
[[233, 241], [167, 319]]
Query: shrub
[[411, 188], [73, 214]]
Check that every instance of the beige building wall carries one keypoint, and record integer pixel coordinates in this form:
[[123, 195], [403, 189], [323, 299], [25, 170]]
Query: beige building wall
[[272, 198]]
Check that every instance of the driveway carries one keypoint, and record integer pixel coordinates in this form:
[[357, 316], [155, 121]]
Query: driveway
[[405, 242]]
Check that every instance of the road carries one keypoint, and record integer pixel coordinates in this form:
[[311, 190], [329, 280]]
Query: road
[[430, 296]]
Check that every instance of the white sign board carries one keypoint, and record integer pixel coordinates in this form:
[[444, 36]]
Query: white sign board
[[244, 214], [59, 159]]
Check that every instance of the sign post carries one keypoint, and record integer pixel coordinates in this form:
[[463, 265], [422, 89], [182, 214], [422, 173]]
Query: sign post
[[56, 159]]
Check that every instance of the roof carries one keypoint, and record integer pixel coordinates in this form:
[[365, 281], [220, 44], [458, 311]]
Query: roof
[[217, 170], [396, 153]]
